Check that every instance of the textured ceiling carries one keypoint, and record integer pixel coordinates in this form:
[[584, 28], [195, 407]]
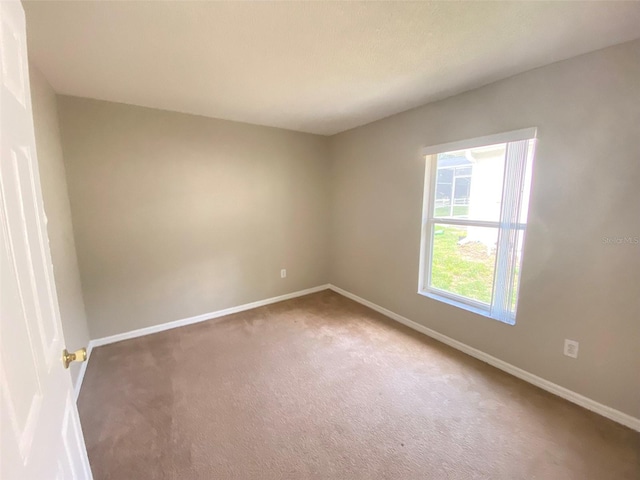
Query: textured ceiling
[[320, 67]]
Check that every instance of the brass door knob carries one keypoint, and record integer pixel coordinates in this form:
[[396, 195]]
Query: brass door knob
[[77, 356]]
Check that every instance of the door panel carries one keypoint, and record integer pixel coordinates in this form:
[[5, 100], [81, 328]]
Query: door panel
[[23, 355], [41, 437]]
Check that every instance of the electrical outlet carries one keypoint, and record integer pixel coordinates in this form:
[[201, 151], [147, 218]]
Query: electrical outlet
[[283, 273], [571, 348]]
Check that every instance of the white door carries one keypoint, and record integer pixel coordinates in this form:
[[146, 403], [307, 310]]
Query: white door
[[40, 431]]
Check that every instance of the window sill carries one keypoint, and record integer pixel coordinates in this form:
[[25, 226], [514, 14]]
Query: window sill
[[462, 305]]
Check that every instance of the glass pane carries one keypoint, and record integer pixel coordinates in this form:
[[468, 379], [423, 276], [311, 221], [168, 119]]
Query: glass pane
[[469, 183], [463, 171], [463, 188], [463, 260]]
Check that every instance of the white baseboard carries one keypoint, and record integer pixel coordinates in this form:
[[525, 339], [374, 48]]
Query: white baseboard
[[98, 342], [581, 400], [605, 411], [83, 370]]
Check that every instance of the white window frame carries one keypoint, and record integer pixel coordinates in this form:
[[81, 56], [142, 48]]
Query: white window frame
[[429, 220]]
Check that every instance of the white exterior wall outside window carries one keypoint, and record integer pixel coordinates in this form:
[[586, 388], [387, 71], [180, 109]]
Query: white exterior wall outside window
[[474, 222]]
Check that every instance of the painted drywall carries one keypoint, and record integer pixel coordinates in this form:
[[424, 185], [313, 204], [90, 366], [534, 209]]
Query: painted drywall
[[575, 284], [178, 215], [58, 211]]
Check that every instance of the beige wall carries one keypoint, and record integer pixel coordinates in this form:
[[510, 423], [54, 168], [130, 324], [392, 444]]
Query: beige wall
[[585, 187], [177, 215], [56, 205]]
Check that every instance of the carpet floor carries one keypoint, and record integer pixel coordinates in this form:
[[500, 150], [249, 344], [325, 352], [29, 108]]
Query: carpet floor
[[320, 387]]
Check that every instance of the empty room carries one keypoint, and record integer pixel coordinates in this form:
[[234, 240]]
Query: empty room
[[320, 240]]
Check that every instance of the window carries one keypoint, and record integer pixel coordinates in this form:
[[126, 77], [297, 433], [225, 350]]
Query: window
[[475, 218]]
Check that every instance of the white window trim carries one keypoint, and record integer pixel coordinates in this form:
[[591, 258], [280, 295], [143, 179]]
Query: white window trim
[[512, 136], [428, 222]]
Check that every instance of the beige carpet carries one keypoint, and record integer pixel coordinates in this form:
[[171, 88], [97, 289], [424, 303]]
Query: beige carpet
[[322, 388]]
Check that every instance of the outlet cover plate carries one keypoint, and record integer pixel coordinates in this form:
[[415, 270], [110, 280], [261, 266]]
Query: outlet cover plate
[[571, 348]]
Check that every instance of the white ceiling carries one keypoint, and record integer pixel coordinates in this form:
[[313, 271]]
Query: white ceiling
[[320, 67]]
